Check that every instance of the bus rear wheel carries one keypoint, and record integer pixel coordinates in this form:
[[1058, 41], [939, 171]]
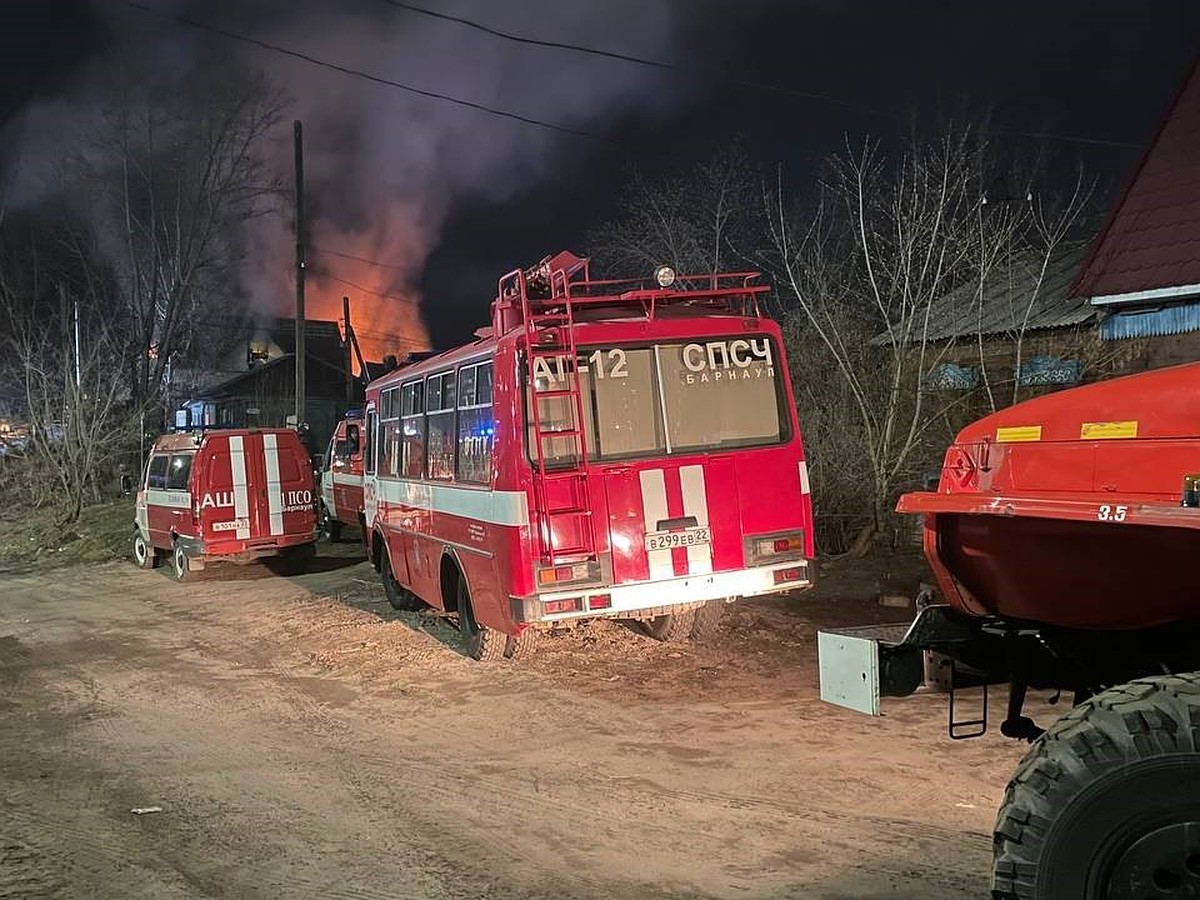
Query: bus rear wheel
[[1107, 802], [397, 595], [673, 627], [482, 643], [707, 620]]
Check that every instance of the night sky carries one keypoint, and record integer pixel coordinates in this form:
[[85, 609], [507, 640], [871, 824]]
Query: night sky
[[1095, 76]]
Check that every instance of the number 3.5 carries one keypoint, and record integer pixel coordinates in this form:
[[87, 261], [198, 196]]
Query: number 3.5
[[1108, 513]]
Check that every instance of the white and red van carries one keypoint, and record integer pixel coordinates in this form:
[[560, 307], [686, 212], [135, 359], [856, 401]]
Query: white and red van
[[234, 494], [342, 477]]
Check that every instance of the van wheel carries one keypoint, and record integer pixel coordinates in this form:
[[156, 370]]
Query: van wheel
[[181, 563], [400, 597], [144, 555], [1106, 803], [707, 620], [672, 628], [483, 643]]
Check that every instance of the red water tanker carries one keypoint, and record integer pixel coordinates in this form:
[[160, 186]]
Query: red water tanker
[[1062, 535]]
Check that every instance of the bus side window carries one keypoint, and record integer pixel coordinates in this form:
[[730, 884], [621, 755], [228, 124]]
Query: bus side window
[[476, 426], [352, 447], [369, 457]]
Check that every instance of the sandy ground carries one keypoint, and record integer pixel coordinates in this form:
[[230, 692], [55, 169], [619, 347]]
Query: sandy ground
[[304, 740]]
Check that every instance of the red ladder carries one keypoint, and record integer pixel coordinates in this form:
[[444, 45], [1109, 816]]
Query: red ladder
[[550, 336]]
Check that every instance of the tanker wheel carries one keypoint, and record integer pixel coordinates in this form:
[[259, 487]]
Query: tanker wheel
[[1106, 804], [398, 596], [707, 621], [483, 643], [144, 554], [673, 627]]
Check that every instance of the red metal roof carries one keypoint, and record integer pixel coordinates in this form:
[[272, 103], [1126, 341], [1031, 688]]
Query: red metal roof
[[1151, 241]]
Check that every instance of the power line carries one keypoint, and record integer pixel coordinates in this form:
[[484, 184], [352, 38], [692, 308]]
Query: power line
[[530, 120], [367, 290], [361, 259], [625, 57], [367, 76], [737, 82]]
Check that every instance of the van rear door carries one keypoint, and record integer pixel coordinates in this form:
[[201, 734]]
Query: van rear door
[[289, 485], [224, 480]]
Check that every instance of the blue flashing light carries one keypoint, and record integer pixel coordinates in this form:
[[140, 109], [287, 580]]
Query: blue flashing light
[[353, 414]]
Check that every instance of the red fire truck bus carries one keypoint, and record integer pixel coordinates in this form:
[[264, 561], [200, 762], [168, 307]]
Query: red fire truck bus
[[626, 449]]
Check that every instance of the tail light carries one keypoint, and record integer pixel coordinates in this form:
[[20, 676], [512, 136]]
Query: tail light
[[575, 573], [769, 548]]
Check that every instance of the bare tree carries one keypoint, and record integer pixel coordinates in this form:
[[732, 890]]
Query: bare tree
[[66, 356], [883, 245], [171, 175], [694, 220]]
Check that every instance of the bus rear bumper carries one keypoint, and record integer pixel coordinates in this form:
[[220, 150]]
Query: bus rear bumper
[[650, 598]]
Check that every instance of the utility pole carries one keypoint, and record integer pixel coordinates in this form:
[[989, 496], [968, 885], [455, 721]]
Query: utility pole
[[78, 379], [301, 235], [347, 348]]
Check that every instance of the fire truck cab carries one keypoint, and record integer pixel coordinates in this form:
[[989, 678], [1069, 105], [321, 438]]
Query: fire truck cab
[[238, 495], [342, 477]]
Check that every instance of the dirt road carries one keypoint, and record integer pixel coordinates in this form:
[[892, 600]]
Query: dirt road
[[304, 741]]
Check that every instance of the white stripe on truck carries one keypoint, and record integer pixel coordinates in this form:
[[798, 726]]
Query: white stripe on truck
[[274, 491], [695, 503], [654, 508], [241, 497]]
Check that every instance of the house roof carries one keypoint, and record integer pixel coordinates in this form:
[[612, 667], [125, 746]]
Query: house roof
[[1149, 250], [1013, 300]]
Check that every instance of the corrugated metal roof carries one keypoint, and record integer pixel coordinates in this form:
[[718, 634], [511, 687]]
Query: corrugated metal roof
[[1010, 303], [1152, 238], [1152, 322]]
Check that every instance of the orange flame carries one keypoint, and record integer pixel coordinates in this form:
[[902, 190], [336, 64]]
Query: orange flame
[[385, 311]]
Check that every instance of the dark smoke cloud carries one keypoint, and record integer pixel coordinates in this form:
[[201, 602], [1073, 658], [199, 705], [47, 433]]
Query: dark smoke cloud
[[384, 167]]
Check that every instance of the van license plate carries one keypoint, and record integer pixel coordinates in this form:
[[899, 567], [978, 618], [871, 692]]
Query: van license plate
[[668, 540]]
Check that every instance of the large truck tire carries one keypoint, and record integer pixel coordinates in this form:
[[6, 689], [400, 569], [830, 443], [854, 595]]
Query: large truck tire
[[398, 596], [482, 643], [671, 628], [1106, 804], [707, 620]]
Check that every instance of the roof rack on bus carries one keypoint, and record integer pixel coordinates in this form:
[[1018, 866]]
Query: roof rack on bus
[[563, 280]]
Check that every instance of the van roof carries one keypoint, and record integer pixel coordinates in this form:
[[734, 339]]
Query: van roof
[[191, 440]]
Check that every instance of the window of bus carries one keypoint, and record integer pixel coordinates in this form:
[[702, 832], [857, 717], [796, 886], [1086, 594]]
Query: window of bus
[[389, 433], [722, 393], [476, 425], [412, 413], [619, 390], [439, 416], [369, 456]]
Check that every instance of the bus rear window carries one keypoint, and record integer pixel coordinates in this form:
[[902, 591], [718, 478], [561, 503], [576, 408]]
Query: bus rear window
[[664, 399]]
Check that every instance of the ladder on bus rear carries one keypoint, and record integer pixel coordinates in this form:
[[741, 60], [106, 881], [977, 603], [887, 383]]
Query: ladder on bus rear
[[561, 490]]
